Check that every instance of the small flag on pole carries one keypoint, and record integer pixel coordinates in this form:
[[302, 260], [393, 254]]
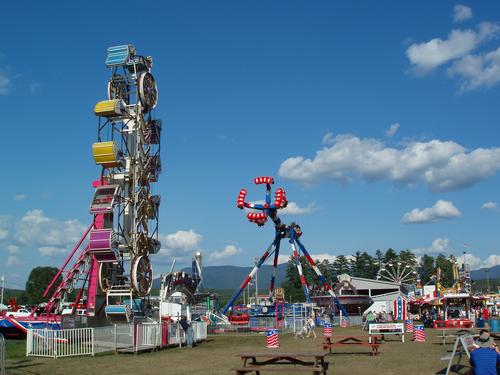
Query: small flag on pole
[[272, 340], [327, 330], [418, 333], [409, 325]]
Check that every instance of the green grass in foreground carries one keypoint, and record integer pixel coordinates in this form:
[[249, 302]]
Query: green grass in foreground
[[218, 355]]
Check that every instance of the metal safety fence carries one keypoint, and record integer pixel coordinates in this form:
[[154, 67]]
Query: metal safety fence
[[3, 356], [257, 326], [119, 338], [60, 343]]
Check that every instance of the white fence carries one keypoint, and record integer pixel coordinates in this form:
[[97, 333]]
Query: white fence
[[3, 359], [119, 337], [257, 326], [60, 343]]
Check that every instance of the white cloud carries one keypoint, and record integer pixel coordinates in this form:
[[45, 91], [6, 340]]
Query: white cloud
[[37, 229], [475, 71], [34, 88], [294, 209], [316, 257], [52, 251], [13, 261], [4, 234], [393, 129], [19, 197], [13, 249], [477, 263], [180, 244], [489, 205], [429, 55], [328, 138], [461, 13], [4, 83], [441, 210], [228, 252], [441, 165], [439, 246], [283, 258], [183, 240]]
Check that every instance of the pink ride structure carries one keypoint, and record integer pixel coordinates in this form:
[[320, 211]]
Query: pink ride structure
[[291, 232]]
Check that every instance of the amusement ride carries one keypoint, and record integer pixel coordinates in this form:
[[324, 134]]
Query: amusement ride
[[397, 271], [110, 268], [259, 215]]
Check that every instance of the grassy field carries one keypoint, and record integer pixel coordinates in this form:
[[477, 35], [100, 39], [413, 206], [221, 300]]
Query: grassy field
[[219, 354]]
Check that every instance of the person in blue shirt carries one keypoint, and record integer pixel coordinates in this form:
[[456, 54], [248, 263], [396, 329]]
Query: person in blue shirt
[[485, 359]]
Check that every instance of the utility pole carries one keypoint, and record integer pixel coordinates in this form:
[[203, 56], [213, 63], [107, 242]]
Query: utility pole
[[256, 281], [487, 280], [3, 287]]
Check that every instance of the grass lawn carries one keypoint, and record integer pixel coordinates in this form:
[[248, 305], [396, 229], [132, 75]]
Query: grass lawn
[[219, 354]]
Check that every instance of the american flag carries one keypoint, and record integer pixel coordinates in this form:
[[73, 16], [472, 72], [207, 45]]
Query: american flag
[[272, 340], [409, 325], [327, 330], [399, 309], [418, 333]]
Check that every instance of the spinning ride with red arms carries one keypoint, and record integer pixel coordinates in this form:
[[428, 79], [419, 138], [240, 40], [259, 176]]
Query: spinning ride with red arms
[[259, 215]]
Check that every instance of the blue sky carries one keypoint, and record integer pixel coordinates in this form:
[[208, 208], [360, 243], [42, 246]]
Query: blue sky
[[380, 121]]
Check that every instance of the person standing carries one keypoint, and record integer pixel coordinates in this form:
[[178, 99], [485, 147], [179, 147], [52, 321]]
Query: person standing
[[188, 330], [486, 358], [310, 327]]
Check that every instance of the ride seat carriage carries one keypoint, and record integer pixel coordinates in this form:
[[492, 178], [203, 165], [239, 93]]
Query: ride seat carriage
[[105, 197], [103, 244], [124, 55]]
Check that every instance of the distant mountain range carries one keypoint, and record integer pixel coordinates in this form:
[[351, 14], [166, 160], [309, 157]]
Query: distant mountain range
[[481, 274], [231, 277]]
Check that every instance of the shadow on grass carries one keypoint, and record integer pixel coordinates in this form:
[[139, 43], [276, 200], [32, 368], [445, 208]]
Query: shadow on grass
[[20, 367], [455, 369]]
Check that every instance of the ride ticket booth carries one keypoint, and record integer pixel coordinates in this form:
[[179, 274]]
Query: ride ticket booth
[[456, 311]]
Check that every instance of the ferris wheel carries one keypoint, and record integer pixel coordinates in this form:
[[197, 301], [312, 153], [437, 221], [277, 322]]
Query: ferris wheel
[[397, 271]]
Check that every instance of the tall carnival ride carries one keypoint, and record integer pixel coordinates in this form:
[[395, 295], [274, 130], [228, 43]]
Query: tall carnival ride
[[109, 271], [291, 232]]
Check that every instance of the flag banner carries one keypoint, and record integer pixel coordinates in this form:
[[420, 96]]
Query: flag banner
[[418, 333], [327, 330], [399, 309], [409, 325], [272, 340]]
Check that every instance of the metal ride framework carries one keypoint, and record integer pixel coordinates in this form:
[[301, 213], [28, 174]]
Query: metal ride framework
[[291, 232], [397, 271], [113, 268]]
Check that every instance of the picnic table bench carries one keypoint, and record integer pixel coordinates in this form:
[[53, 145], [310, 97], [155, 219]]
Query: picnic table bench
[[451, 333], [284, 362], [372, 341]]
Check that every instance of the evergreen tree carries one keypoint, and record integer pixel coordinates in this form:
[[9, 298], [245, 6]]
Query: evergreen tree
[[426, 268], [341, 265], [446, 270], [408, 257], [390, 256]]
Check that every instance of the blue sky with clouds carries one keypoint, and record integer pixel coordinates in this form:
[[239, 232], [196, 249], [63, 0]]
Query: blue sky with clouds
[[380, 120]]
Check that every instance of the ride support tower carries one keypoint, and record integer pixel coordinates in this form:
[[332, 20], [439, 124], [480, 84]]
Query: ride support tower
[[113, 268]]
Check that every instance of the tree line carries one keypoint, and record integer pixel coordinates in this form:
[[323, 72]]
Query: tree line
[[362, 264]]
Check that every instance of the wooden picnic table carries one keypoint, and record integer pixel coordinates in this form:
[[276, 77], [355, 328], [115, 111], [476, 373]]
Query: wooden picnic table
[[452, 333], [372, 341], [284, 362]]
